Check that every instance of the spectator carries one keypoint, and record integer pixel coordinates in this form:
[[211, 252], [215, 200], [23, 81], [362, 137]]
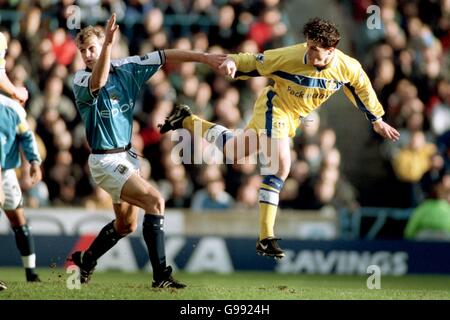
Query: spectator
[[213, 197], [431, 219], [412, 162]]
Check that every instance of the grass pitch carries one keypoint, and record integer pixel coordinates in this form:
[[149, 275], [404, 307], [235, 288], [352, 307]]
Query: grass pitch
[[236, 286]]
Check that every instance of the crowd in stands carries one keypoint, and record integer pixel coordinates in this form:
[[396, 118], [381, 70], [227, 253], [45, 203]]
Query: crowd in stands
[[407, 62]]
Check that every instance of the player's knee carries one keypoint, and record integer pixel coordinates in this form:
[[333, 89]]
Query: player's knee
[[15, 220], [126, 227], [158, 205], [154, 203], [283, 170], [283, 173]]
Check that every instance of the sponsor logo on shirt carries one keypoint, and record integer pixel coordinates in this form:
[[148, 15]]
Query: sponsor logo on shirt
[[116, 110], [302, 94]]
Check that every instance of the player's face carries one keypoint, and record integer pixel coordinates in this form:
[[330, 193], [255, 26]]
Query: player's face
[[318, 56], [90, 51]]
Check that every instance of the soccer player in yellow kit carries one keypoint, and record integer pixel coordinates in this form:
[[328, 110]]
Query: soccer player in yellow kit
[[305, 76]]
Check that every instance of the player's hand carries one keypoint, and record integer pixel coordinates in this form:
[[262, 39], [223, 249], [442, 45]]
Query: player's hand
[[228, 67], [111, 30], [21, 95], [215, 60], [385, 130], [35, 173]]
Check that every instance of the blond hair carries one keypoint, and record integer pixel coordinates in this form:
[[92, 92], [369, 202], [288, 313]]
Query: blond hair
[[88, 32]]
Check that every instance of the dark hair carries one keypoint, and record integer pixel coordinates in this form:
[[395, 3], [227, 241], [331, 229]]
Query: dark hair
[[323, 32]]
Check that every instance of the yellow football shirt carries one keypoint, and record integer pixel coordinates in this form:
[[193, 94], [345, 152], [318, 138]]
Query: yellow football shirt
[[300, 88]]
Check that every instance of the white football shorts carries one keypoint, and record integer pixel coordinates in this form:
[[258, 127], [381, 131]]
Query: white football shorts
[[11, 188], [111, 171]]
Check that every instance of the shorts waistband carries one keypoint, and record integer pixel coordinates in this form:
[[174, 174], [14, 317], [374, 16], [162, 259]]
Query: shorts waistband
[[116, 150]]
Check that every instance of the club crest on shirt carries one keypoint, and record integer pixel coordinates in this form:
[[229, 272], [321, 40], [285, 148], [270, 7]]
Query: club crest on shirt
[[279, 124], [333, 84], [121, 169]]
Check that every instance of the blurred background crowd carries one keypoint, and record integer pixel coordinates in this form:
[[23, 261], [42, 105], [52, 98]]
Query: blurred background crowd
[[406, 59]]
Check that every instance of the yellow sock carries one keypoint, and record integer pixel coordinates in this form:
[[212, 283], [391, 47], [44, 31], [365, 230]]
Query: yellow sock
[[189, 123], [267, 215], [268, 205]]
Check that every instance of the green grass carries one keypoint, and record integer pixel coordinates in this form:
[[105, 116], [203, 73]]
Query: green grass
[[236, 286]]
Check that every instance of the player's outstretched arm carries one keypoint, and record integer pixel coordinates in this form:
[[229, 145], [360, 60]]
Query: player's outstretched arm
[[211, 59], [101, 69], [385, 130]]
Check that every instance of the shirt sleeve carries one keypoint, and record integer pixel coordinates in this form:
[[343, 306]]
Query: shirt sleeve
[[360, 92], [26, 137], [256, 65], [138, 69], [147, 65]]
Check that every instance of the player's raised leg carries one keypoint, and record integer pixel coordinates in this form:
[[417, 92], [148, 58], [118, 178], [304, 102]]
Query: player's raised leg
[[233, 147]]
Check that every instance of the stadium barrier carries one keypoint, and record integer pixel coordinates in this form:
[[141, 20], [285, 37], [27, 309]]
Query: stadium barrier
[[224, 243], [373, 223]]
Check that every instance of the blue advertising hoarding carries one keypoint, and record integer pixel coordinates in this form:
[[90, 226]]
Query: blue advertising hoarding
[[217, 254]]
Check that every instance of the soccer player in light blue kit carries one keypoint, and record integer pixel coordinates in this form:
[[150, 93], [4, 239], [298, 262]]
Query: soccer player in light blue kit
[[105, 94], [15, 133]]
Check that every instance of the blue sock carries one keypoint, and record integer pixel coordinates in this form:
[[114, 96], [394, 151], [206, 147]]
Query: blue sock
[[153, 232], [106, 239]]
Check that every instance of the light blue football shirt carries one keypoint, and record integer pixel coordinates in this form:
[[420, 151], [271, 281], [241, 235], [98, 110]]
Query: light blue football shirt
[[15, 133], [108, 115]]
